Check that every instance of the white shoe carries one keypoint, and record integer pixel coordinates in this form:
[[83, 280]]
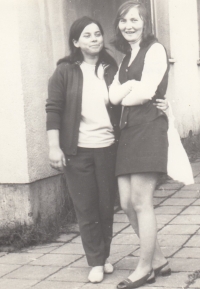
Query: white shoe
[[108, 268], [96, 274]]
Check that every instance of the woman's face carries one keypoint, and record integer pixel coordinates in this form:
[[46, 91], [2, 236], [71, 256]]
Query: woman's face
[[90, 41], [131, 26]]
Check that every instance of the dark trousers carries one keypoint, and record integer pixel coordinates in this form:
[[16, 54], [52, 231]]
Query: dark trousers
[[91, 181]]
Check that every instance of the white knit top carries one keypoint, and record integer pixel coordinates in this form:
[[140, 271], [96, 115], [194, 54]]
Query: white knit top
[[95, 129]]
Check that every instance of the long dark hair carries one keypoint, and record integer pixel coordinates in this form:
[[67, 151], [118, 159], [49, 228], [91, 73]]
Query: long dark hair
[[75, 53], [119, 42]]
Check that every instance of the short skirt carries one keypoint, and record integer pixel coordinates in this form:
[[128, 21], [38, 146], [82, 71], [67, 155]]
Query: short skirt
[[143, 148]]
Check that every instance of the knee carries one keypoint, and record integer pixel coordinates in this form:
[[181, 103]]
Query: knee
[[141, 204]]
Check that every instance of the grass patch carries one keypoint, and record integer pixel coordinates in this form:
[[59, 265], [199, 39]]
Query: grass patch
[[18, 236]]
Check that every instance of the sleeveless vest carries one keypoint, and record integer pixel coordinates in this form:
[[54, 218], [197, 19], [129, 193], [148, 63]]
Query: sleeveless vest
[[140, 114]]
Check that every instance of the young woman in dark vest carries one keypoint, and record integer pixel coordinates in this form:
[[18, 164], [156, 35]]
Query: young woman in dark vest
[[143, 146]]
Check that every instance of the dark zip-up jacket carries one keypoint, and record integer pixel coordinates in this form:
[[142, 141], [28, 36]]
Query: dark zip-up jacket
[[64, 104]]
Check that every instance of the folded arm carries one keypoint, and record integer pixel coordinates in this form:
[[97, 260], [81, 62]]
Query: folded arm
[[135, 92], [155, 67]]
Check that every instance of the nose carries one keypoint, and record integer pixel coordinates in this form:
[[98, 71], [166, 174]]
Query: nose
[[94, 38], [129, 25]]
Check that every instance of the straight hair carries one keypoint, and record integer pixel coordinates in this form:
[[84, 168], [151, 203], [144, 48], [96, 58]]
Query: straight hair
[[76, 54], [119, 42]]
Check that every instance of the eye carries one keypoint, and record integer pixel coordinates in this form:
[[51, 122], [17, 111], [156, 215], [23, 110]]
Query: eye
[[98, 34], [122, 20], [86, 35], [134, 20]]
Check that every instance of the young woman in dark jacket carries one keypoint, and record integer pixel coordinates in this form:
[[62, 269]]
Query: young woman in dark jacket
[[83, 130]]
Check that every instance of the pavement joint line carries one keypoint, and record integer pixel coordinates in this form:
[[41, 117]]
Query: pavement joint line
[[117, 233], [183, 245], [63, 267], [12, 270]]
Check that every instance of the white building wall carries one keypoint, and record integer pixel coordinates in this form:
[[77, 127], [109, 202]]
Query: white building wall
[[181, 39]]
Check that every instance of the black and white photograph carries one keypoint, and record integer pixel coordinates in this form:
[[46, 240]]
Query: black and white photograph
[[100, 144]]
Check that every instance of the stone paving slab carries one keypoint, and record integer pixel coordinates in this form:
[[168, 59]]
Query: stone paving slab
[[170, 241], [164, 193], [189, 265], [81, 263], [17, 284], [186, 194], [187, 220], [164, 219], [127, 263], [158, 201], [58, 260], [188, 253], [32, 272], [19, 258], [43, 249], [70, 248], [170, 186], [119, 251], [121, 218], [128, 239], [116, 277], [167, 251], [197, 203], [117, 227], [77, 240], [179, 230], [99, 286], [5, 269], [194, 242], [176, 280], [178, 202], [71, 275], [193, 210], [58, 285], [168, 210], [194, 187]]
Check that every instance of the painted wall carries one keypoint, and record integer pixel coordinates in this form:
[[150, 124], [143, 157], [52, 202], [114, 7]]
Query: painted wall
[[177, 29], [32, 39]]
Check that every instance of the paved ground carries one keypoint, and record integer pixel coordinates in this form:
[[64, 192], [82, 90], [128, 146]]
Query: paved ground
[[62, 265]]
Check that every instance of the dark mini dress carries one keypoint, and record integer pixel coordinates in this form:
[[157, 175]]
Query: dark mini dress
[[143, 144]]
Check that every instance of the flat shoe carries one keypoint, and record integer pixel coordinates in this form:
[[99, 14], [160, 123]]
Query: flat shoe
[[159, 272], [96, 274], [127, 283], [108, 268]]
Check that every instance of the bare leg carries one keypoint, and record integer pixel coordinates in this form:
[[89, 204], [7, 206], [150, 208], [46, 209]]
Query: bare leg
[[136, 196]]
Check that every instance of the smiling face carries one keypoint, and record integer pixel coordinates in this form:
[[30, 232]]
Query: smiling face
[[90, 41], [131, 26]]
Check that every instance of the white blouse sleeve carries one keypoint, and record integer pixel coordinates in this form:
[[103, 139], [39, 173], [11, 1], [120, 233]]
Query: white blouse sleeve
[[155, 66], [118, 91]]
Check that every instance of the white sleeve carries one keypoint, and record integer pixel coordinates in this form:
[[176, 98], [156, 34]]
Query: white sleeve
[[118, 91], [155, 66]]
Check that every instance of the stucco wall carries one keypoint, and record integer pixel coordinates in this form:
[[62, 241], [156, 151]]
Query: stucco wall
[[13, 147], [180, 36]]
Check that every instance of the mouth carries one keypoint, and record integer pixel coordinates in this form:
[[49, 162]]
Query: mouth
[[130, 32], [94, 46]]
